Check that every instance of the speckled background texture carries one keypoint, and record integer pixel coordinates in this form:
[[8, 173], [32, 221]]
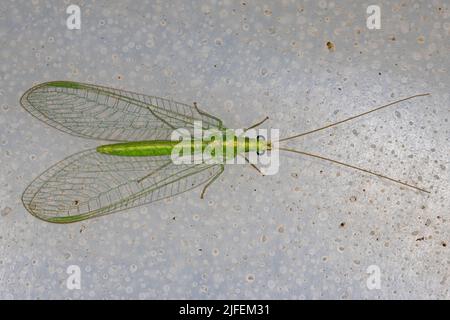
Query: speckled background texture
[[311, 231]]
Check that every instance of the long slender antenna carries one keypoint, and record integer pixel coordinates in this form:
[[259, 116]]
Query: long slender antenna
[[353, 167], [353, 117]]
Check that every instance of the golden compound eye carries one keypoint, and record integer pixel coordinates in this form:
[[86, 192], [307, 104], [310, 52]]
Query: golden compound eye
[[259, 153]]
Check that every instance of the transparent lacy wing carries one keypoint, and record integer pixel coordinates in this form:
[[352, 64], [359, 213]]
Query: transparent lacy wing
[[98, 112], [90, 184]]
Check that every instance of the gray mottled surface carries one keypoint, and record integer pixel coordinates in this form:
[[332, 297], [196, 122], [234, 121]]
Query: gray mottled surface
[[312, 230]]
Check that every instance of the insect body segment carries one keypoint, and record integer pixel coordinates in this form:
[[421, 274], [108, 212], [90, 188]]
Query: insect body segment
[[229, 147]]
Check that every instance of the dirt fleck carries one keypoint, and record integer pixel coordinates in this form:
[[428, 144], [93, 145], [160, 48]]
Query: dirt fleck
[[6, 211], [330, 46]]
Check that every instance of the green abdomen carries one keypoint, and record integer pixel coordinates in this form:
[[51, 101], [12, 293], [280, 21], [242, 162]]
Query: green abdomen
[[139, 148]]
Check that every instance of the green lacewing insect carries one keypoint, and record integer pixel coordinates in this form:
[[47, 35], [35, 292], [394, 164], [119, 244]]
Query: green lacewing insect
[[136, 168]]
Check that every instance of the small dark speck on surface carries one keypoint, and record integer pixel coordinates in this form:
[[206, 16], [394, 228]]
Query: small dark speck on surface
[[330, 46]]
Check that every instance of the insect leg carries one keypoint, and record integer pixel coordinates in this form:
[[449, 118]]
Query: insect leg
[[153, 172], [255, 167], [256, 124], [222, 168], [203, 113]]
